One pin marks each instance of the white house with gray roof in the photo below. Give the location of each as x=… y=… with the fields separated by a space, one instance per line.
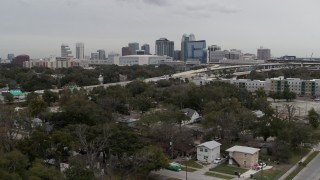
x=192 y=114
x=208 y=151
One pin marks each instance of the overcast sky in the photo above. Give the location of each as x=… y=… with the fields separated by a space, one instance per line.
x=38 y=27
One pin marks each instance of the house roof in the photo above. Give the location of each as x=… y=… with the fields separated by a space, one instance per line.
x=243 y=149
x=189 y=112
x=258 y=113
x=210 y=144
x=36 y=120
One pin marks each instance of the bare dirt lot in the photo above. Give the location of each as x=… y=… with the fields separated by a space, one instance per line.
x=302 y=106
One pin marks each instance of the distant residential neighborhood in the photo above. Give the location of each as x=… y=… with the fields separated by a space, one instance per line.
x=156 y=126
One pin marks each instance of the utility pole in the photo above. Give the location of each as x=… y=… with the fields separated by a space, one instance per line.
x=171 y=146
x=187 y=167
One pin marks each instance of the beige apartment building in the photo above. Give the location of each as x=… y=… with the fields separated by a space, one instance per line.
x=243 y=156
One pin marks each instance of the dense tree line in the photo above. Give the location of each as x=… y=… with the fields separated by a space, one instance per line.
x=40 y=78
x=302 y=73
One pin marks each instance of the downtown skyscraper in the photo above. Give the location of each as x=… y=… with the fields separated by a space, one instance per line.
x=184 y=45
x=65 y=51
x=134 y=47
x=164 y=47
x=193 y=50
x=146 y=48
x=80 y=51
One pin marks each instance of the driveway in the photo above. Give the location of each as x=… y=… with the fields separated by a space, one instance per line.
x=251 y=171
x=196 y=175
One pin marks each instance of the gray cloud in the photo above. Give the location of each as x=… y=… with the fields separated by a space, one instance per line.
x=157 y=2
x=22 y=2
x=72 y=3
x=201 y=6
x=210 y=7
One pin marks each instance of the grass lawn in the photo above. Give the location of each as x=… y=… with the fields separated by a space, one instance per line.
x=191 y=163
x=268 y=174
x=226 y=169
x=189 y=169
x=298 y=155
x=218 y=175
x=300 y=167
x=173 y=179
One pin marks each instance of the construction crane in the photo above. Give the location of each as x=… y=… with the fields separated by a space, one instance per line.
x=311 y=56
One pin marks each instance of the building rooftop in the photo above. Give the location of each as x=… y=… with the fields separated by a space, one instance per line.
x=210 y=144
x=189 y=112
x=243 y=149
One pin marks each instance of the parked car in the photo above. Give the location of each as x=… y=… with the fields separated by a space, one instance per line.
x=262 y=165
x=217 y=161
x=174 y=166
x=259 y=166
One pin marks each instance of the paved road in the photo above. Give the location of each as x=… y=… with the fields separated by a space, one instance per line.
x=182 y=175
x=164 y=174
x=311 y=171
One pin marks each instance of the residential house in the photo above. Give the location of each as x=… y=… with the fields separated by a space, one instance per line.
x=192 y=114
x=258 y=113
x=36 y=122
x=208 y=151
x=243 y=156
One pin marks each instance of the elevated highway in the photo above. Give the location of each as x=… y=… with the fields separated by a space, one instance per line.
x=235 y=69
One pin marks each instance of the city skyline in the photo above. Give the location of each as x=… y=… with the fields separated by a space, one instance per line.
x=37 y=29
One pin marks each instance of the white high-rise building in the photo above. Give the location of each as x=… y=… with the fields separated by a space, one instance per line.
x=65 y=51
x=80 y=51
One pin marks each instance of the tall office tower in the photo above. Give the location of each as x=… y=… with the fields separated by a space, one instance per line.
x=65 y=50
x=164 y=47
x=177 y=55
x=134 y=47
x=125 y=51
x=215 y=54
x=79 y=50
x=196 y=50
x=185 y=39
x=94 y=56
x=10 y=57
x=146 y=48
x=102 y=54
x=263 y=54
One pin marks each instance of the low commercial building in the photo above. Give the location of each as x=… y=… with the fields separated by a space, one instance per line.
x=250 y=85
x=52 y=63
x=296 y=85
x=139 y=60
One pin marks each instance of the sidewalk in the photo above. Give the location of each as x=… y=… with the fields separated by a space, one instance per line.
x=295 y=166
x=251 y=171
